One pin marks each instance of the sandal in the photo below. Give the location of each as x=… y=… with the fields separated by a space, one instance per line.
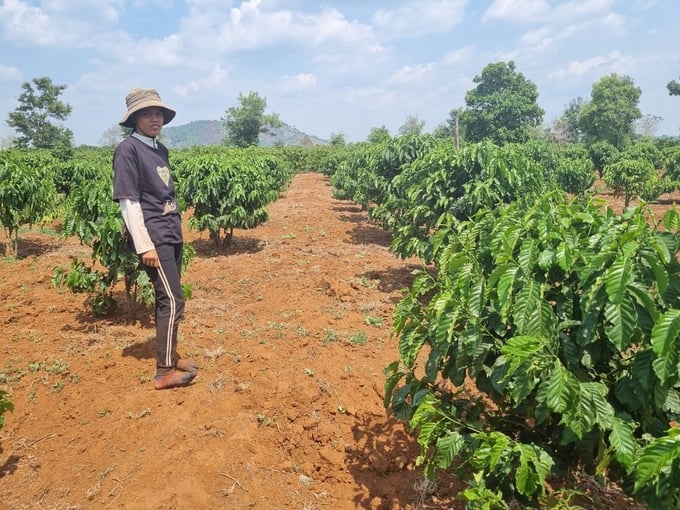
x=173 y=379
x=187 y=365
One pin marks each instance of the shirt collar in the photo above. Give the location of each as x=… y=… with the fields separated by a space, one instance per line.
x=151 y=142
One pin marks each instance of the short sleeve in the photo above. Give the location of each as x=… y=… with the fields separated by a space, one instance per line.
x=126 y=172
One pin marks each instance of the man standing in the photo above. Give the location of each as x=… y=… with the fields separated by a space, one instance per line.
x=145 y=190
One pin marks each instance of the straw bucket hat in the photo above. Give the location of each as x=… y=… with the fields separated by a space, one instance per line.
x=138 y=99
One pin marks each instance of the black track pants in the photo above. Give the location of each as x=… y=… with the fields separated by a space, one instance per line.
x=169 y=302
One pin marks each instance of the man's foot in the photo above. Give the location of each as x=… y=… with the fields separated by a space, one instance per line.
x=187 y=365
x=173 y=379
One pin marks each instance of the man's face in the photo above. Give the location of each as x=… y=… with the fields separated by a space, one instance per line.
x=149 y=121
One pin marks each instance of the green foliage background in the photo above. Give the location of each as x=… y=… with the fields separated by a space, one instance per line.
x=541 y=334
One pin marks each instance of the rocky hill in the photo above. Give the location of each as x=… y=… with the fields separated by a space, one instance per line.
x=211 y=132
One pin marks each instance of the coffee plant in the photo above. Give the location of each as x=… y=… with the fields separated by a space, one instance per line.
x=95 y=219
x=366 y=175
x=459 y=182
x=575 y=176
x=27 y=192
x=545 y=339
x=601 y=154
x=227 y=189
x=628 y=178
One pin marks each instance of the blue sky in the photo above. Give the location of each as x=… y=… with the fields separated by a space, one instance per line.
x=335 y=66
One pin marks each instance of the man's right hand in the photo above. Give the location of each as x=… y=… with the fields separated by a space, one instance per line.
x=150 y=258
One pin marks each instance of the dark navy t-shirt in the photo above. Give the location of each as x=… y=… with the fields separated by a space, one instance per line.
x=142 y=173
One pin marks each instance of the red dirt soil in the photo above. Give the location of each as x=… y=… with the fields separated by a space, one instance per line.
x=291 y=325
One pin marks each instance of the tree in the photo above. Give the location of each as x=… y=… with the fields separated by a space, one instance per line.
x=502 y=107
x=442 y=132
x=566 y=128
x=111 y=137
x=647 y=125
x=673 y=87
x=244 y=124
x=337 y=140
x=7 y=141
x=453 y=123
x=557 y=132
x=33 y=118
x=412 y=126
x=612 y=111
x=378 y=134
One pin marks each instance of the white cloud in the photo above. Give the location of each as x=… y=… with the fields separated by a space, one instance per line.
x=251 y=26
x=298 y=82
x=358 y=63
x=615 y=62
x=503 y=55
x=644 y=4
x=412 y=74
x=10 y=73
x=577 y=36
x=162 y=52
x=622 y=64
x=580 y=9
x=164 y=4
x=578 y=68
x=539 y=39
x=215 y=79
x=418 y=18
x=374 y=98
x=66 y=23
x=606 y=27
x=523 y=11
x=108 y=10
x=22 y=22
x=517 y=10
x=462 y=55
x=614 y=23
x=332 y=27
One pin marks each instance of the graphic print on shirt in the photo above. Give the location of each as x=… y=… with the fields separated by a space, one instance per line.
x=170 y=206
x=164 y=173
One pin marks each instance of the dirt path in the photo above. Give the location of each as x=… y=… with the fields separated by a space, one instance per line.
x=291 y=326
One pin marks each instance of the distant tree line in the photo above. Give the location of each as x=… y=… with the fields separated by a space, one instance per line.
x=502 y=108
